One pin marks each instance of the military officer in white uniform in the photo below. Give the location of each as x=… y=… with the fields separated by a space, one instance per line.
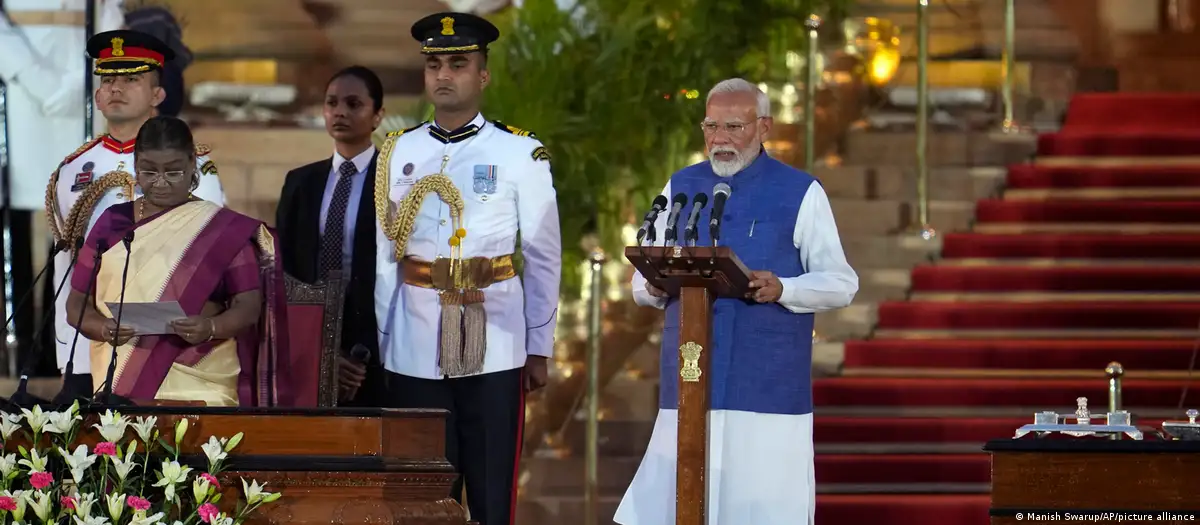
x=99 y=174
x=458 y=329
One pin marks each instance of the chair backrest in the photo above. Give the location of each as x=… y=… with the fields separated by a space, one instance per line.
x=314 y=338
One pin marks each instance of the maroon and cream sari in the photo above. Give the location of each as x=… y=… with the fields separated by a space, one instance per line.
x=194 y=253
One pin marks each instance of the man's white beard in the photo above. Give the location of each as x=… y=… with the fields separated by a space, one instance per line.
x=729 y=168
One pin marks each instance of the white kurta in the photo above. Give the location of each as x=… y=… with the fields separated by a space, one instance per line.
x=104 y=155
x=760 y=466
x=507 y=191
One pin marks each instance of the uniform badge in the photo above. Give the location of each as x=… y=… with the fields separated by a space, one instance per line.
x=485 y=179
x=408 y=168
x=83 y=178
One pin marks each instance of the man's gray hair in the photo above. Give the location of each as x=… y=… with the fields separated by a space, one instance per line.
x=738 y=85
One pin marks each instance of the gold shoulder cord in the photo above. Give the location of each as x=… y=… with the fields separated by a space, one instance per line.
x=74 y=227
x=463 y=320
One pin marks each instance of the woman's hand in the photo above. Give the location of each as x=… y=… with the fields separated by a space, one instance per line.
x=195 y=330
x=114 y=334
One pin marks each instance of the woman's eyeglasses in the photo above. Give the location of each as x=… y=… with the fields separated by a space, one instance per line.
x=171 y=176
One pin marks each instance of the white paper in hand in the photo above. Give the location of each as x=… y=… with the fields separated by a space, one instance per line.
x=148 y=318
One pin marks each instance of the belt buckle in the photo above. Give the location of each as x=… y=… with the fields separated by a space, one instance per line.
x=482 y=272
x=439 y=274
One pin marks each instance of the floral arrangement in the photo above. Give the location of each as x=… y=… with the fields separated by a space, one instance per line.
x=135 y=481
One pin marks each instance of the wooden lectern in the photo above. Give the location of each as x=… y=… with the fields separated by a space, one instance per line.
x=697 y=276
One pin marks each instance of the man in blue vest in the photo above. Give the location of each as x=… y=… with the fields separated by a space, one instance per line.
x=779 y=222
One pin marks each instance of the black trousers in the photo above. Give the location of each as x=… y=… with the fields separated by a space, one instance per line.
x=483 y=434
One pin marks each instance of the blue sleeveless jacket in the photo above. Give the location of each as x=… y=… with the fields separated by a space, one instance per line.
x=761 y=354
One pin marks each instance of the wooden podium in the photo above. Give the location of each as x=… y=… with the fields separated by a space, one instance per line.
x=1055 y=480
x=697 y=276
x=333 y=465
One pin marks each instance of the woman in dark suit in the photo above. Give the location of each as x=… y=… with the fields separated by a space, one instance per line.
x=326 y=223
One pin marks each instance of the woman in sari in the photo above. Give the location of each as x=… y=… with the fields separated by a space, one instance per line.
x=220 y=267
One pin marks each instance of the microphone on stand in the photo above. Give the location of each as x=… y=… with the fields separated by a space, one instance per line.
x=64 y=396
x=677 y=205
x=647 y=229
x=689 y=231
x=22 y=397
x=58 y=247
x=720 y=195
x=107 y=396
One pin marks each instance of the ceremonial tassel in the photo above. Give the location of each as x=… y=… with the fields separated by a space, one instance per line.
x=474 y=332
x=451 y=336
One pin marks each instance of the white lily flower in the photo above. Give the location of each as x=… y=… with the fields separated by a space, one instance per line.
x=112 y=426
x=116 y=506
x=40 y=503
x=9 y=424
x=221 y=519
x=254 y=492
x=36 y=418
x=83 y=505
x=35 y=463
x=126 y=465
x=61 y=422
x=200 y=489
x=171 y=475
x=98 y=520
x=145 y=428
x=8 y=466
x=78 y=461
x=140 y=518
x=19 y=497
x=214 y=450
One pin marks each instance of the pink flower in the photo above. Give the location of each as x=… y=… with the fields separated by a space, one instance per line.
x=41 y=480
x=106 y=448
x=207 y=512
x=68 y=502
x=212 y=480
x=8 y=504
x=137 y=503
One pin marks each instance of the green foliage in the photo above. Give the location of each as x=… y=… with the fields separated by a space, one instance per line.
x=615 y=89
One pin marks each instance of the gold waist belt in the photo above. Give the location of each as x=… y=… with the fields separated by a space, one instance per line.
x=462 y=341
x=475 y=273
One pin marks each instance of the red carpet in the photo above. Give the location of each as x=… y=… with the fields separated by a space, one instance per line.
x=1012 y=354
x=1045 y=393
x=1173 y=211
x=1071 y=246
x=903 y=468
x=829 y=429
x=864 y=418
x=936 y=278
x=1029 y=176
x=938 y=315
x=902 y=509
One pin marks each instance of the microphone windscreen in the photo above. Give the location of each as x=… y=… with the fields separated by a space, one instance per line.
x=680 y=199
x=701 y=199
x=660 y=202
x=721 y=188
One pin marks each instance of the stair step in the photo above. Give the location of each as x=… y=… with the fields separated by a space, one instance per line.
x=900 y=182
x=946 y=149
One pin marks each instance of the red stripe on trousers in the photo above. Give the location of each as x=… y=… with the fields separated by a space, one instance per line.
x=512 y=510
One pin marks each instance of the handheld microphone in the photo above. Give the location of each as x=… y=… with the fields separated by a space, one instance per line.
x=112 y=362
x=362 y=354
x=64 y=396
x=21 y=397
x=677 y=205
x=660 y=204
x=689 y=232
x=720 y=195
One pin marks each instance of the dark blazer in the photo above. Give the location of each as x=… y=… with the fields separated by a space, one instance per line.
x=296 y=221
